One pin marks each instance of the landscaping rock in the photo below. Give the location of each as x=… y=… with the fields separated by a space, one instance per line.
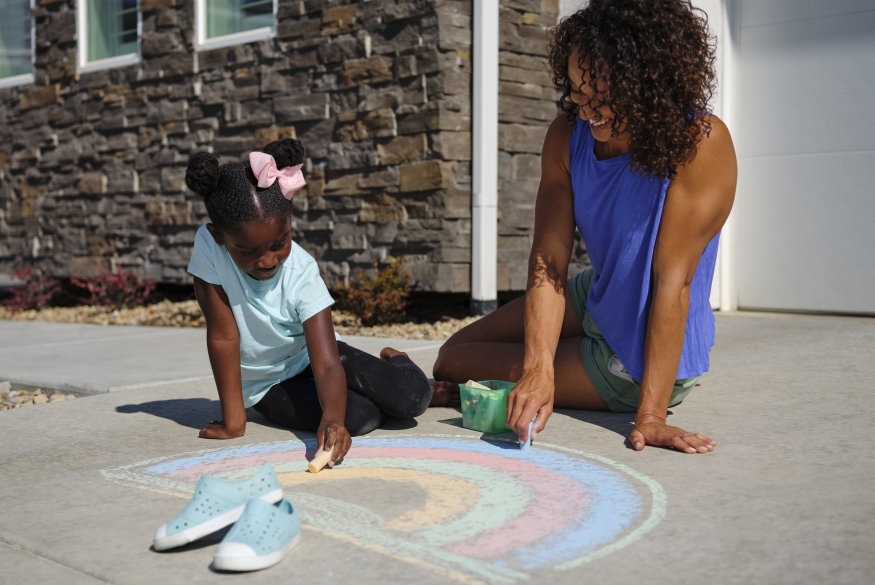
x=11 y=399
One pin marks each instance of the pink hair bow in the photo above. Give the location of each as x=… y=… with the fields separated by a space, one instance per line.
x=264 y=168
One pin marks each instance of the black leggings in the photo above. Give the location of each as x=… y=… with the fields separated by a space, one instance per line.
x=378 y=390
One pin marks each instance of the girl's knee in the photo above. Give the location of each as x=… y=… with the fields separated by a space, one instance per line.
x=362 y=417
x=362 y=425
x=413 y=400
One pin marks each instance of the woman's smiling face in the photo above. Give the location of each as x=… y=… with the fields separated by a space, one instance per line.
x=259 y=247
x=600 y=118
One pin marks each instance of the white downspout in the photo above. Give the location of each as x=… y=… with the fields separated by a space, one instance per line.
x=729 y=238
x=484 y=190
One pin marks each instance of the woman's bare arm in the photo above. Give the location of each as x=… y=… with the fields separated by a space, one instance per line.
x=697 y=204
x=547 y=283
x=223 y=347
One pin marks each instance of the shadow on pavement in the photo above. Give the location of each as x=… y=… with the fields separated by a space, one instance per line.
x=621 y=423
x=195 y=413
x=188 y=412
x=208 y=540
x=399 y=424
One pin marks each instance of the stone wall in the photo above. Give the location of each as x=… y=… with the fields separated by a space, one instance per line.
x=379 y=92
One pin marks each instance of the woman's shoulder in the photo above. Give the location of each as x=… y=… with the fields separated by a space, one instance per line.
x=560 y=131
x=559 y=140
x=715 y=152
x=706 y=183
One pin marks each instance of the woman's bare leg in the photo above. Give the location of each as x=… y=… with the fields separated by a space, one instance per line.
x=493 y=349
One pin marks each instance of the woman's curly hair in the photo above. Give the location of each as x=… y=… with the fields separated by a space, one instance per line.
x=656 y=60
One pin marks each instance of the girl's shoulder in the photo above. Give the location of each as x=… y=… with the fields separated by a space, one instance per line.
x=299 y=258
x=299 y=269
x=206 y=257
x=204 y=239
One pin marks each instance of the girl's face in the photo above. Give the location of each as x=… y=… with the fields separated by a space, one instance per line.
x=599 y=118
x=259 y=247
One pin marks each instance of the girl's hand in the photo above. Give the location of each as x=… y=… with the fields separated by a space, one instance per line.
x=333 y=435
x=218 y=430
x=533 y=394
x=660 y=434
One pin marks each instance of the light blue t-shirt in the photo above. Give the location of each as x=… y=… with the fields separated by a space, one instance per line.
x=270 y=314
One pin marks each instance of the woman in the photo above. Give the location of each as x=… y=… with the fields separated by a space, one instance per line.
x=648 y=176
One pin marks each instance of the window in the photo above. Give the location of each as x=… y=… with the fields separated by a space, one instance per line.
x=222 y=23
x=16 y=43
x=108 y=33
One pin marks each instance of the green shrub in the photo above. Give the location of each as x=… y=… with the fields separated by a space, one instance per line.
x=378 y=300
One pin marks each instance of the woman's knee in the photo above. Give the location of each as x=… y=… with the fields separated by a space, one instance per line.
x=441 y=369
x=446 y=367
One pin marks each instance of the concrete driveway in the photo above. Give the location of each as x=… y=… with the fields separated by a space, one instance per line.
x=786 y=497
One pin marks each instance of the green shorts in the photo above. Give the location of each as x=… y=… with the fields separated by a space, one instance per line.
x=607 y=372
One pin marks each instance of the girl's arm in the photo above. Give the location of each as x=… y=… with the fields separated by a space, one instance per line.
x=330 y=384
x=547 y=284
x=696 y=207
x=223 y=346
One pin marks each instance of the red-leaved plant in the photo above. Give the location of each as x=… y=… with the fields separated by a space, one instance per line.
x=378 y=300
x=37 y=291
x=120 y=289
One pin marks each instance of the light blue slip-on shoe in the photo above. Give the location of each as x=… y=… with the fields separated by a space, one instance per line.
x=262 y=537
x=217 y=503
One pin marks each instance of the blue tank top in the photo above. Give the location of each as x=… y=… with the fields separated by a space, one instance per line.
x=617 y=212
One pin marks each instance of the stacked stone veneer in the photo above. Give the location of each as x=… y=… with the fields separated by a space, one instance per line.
x=92 y=164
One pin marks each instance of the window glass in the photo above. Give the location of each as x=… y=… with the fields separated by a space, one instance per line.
x=226 y=17
x=15 y=43
x=112 y=28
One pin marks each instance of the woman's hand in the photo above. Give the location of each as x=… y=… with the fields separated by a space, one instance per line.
x=532 y=395
x=218 y=430
x=333 y=435
x=659 y=434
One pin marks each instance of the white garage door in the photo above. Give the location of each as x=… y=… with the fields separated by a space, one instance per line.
x=805 y=135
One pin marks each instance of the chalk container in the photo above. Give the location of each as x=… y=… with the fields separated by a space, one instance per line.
x=485 y=410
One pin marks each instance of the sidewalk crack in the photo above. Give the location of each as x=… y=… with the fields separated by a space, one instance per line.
x=15 y=546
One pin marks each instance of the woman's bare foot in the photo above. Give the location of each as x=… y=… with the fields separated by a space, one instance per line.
x=387 y=353
x=444 y=394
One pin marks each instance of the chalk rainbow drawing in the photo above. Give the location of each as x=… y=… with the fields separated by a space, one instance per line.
x=490 y=513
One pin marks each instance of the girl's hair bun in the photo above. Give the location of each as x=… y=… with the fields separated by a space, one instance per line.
x=287 y=153
x=202 y=173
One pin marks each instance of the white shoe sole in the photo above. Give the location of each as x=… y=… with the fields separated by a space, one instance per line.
x=196 y=532
x=254 y=563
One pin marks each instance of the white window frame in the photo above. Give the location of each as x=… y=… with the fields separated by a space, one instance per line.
x=24 y=78
x=201 y=43
x=86 y=66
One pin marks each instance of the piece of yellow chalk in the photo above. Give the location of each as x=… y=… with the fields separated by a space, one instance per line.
x=473 y=384
x=319 y=461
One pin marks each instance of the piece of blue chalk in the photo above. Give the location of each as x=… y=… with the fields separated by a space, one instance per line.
x=525 y=444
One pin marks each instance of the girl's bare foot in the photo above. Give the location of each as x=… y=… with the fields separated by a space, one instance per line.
x=444 y=394
x=387 y=353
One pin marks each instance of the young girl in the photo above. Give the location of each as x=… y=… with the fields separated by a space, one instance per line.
x=270 y=337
